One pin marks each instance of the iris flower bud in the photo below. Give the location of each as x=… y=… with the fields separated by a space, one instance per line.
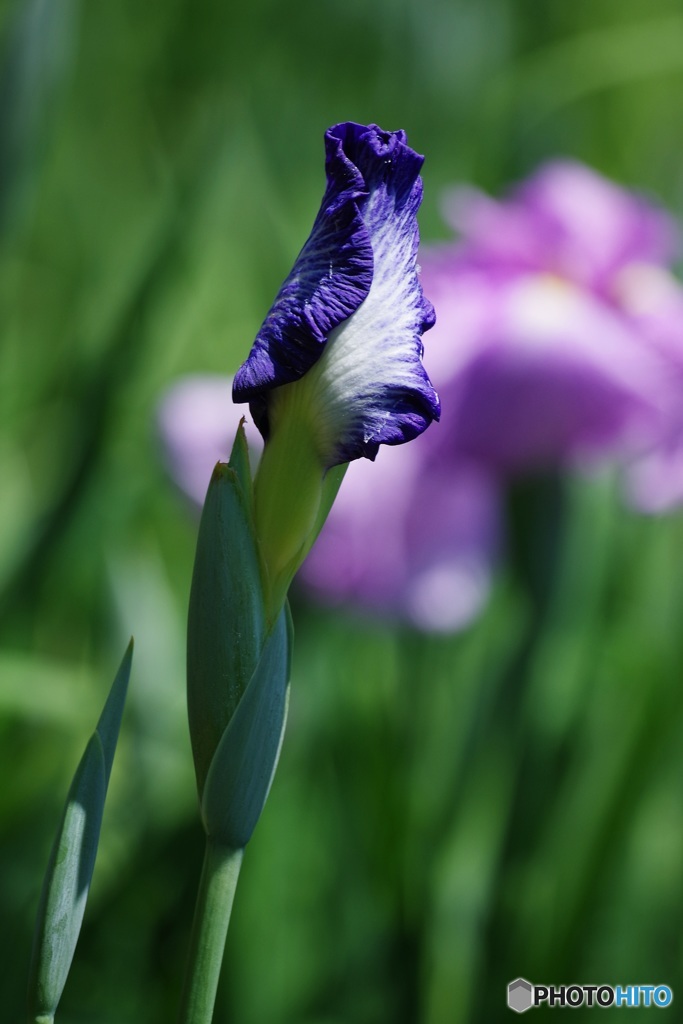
x=336 y=368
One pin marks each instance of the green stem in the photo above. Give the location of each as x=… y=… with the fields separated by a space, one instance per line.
x=209 y=930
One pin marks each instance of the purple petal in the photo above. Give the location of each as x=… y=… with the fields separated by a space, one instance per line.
x=595 y=225
x=538 y=371
x=329 y=280
x=566 y=219
x=410 y=539
x=353 y=297
x=654 y=482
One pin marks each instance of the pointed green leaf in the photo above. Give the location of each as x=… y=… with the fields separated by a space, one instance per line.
x=331 y=484
x=227 y=617
x=110 y=720
x=239 y=461
x=72 y=859
x=243 y=766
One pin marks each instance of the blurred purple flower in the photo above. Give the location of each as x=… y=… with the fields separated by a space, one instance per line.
x=415 y=539
x=197 y=423
x=561 y=308
x=559 y=340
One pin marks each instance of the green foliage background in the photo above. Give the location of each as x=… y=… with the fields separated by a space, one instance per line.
x=449 y=813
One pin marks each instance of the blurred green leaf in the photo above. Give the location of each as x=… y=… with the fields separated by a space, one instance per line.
x=33 y=64
x=599 y=59
x=42 y=689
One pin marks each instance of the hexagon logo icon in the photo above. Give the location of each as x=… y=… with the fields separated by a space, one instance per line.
x=520 y=995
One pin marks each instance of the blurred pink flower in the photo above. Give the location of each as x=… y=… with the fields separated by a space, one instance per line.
x=414 y=539
x=566 y=321
x=558 y=341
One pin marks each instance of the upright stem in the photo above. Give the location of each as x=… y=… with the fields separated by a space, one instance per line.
x=209 y=930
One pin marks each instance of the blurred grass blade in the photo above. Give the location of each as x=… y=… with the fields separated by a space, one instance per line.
x=589 y=62
x=72 y=860
x=35 y=58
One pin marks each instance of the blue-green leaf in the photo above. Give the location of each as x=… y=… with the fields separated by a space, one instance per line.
x=239 y=461
x=109 y=723
x=72 y=860
x=227 y=617
x=244 y=763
